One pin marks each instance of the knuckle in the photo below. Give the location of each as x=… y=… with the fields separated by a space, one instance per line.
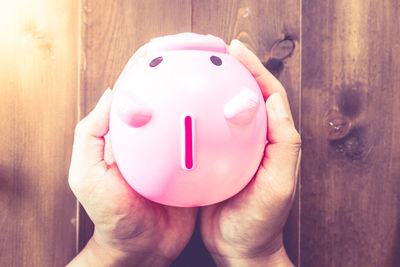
x=74 y=180
x=283 y=92
x=284 y=193
x=80 y=127
x=76 y=186
x=283 y=189
x=294 y=138
x=277 y=189
x=72 y=184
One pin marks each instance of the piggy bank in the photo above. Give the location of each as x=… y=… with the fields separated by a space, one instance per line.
x=187 y=122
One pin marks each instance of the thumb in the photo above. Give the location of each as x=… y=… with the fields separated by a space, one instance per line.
x=88 y=148
x=89 y=133
x=279 y=166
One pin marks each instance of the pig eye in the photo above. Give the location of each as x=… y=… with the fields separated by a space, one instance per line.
x=216 y=60
x=155 y=62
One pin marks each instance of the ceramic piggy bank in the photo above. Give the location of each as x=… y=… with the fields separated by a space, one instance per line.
x=187 y=122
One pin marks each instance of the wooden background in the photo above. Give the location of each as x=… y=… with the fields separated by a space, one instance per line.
x=338 y=60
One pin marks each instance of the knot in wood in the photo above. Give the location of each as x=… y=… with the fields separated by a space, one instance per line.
x=336 y=125
x=282 y=49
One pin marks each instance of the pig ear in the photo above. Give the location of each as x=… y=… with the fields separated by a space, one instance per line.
x=242 y=108
x=133 y=112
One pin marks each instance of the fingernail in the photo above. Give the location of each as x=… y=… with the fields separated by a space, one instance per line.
x=236 y=42
x=277 y=106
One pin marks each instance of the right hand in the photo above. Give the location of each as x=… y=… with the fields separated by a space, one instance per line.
x=129 y=229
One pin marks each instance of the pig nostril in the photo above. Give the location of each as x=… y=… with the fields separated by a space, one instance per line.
x=155 y=62
x=216 y=60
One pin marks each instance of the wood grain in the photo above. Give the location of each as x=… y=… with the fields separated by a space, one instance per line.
x=111 y=32
x=338 y=60
x=38 y=78
x=350 y=185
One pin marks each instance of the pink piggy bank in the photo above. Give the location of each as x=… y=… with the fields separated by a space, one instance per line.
x=188 y=122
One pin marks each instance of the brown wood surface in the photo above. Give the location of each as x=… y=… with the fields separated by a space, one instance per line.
x=38 y=79
x=339 y=61
x=350 y=202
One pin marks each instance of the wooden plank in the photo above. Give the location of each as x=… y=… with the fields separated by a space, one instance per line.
x=111 y=32
x=272 y=30
x=38 y=78
x=351 y=133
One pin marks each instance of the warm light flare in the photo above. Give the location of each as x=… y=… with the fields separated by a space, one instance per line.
x=9 y=21
x=26 y=24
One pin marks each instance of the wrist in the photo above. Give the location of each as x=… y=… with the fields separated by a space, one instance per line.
x=278 y=259
x=97 y=254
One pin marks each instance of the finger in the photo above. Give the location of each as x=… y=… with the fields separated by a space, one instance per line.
x=108 y=153
x=269 y=83
x=278 y=170
x=88 y=141
x=266 y=81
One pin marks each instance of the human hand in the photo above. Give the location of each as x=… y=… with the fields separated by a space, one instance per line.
x=129 y=229
x=246 y=230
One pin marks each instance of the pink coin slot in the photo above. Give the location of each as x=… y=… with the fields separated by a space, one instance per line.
x=188 y=143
